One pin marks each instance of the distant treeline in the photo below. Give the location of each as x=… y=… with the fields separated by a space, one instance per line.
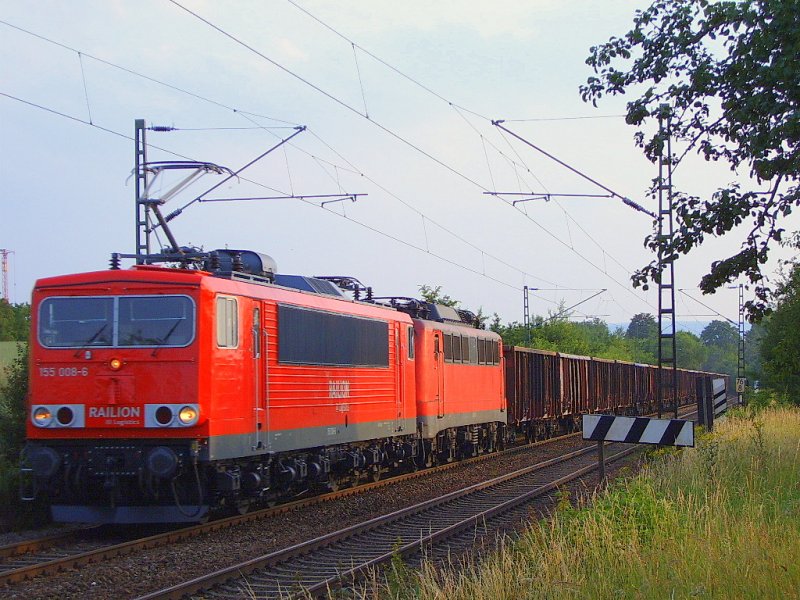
x=15 y=321
x=715 y=349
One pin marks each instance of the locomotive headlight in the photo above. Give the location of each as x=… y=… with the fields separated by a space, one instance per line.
x=65 y=416
x=42 y=417
x=115 y=364
x=164 y=415
x=187 y=415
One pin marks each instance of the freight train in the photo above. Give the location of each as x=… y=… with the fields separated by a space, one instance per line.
x=170 y=393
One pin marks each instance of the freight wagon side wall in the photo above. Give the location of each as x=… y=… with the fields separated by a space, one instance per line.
x=533 y=384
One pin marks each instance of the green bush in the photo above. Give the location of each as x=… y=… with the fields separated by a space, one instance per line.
x=13 y=408
x=14 y=513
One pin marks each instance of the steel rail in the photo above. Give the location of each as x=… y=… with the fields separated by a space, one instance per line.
x=427 y=541
x=54 y=565
x=280 y=558
x=35 y=544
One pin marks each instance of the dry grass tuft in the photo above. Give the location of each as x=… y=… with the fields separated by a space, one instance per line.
x=718 y=521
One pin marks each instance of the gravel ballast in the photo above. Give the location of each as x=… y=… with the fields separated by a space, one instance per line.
x=149 y=570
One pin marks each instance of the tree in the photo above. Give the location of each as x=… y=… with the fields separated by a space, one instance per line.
x=14 y=321
x=728 y=72
x=780 y=344
x=434 y=296
x=721 y=334
x=643 y=326
x=597 y=335
x=13 y=410
x=690 y=350
x=753 y=340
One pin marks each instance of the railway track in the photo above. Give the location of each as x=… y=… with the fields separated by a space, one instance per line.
x=315 y=566
x=61 y=553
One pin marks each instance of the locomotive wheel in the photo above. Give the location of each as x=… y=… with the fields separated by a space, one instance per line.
x=530 y=435
x=242 y=507
x=375 y=474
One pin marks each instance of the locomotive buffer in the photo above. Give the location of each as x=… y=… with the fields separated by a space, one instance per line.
x=635 y=430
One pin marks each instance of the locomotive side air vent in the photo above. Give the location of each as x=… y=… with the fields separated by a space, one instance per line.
x=226 y=261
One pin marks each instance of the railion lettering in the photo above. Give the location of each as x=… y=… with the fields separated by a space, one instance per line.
x=115 y=412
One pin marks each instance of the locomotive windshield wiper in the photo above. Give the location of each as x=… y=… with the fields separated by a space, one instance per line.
x=89 y=342
x=163 y=340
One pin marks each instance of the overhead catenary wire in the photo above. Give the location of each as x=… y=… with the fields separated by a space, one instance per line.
x=85 y=88
x=390 y=132
x=142 y=75
x=575 y=118
x=355 y=170
x=458 y=110
x=703 y=304
x=627 y=201
x=306 y=201
x=248 y=114
x=383 y=62
x=239 y=111
x=242 y=113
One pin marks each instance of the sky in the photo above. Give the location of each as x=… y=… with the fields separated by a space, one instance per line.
x=397 y=100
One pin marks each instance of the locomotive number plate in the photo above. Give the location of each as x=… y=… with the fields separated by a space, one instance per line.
x=63 y=371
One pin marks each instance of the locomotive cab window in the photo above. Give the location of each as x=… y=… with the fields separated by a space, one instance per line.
x=411 y=343
x=116 y=321
x=227 y=322
x=155 y=321
x=76 y=322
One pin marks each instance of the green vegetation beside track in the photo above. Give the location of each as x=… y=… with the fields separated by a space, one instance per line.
x=8 y=352
x=721 y=520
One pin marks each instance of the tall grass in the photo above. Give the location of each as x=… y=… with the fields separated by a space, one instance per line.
x=719 y=521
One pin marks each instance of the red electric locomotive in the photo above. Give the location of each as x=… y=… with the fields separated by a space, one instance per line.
x=163 y=394
x=461 y=402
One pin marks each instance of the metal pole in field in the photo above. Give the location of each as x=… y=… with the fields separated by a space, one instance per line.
x=740 y=374
x=601 y=462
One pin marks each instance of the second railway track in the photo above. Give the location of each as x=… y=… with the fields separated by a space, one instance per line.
x=318 y=565
x=55 y=564
x=63 y=551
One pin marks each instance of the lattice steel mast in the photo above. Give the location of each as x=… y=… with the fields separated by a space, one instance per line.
x=143 y=224
x=667 y=347
x=740 y=367
x=4 y=254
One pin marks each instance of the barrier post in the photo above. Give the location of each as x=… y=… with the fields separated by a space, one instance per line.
x=601 y=462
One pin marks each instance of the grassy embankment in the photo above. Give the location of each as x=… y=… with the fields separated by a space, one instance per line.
x=719 y=521
x=8 y=352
